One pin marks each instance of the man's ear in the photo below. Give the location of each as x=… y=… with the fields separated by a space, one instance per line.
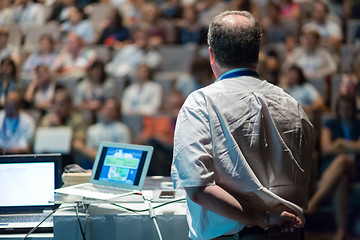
x=212 y=57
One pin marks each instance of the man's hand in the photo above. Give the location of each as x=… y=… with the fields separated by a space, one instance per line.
x=284 y=218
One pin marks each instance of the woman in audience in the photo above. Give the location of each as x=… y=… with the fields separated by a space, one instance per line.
x=78 y=24
x=144 y=96
x=150 y=20
x=45 y=55
x=41 y=90
x=294 y=82
x=112 y=31
x=8 y=78
x=340 y=145
x=92 y=91
x=188 y=28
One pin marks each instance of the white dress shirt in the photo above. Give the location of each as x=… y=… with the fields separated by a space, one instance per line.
x=248 y=137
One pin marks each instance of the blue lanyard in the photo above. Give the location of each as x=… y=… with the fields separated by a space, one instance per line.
x=346 y=131
x=239 y=72
x=13 y=130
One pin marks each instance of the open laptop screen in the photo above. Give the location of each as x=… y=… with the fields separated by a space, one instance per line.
x=27 y=182
x=121 y=165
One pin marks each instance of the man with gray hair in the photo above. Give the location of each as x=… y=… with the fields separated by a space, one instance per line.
x=242 y=146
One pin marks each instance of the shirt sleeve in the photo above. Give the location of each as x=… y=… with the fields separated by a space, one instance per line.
x=193 y=158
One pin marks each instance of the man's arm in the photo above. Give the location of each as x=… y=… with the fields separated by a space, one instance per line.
x=218 y=200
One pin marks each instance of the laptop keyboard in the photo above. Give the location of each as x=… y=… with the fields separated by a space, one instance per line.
x=103 y=189
x=24 y=218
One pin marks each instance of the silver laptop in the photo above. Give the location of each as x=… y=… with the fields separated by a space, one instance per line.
x=119 y=170
x=53 y=140
x=27 y=183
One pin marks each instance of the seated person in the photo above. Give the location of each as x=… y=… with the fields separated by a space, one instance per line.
x=92 y=91
x=108 y=128
x=294 y=82
x=78 y=24
x=7 y=49
x=8 y=79
x=45 y=55
x=41 y=90
x=316 y=62
x=188 y=28
x=340 y=145
x=127 y=59
x=112 y=31
x=200 y=76
x=16 y=127
x=63 y=114
x=158 y=131
x=143 y=96
x=74 y=59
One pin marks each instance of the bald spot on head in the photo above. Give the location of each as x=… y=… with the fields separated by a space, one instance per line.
x=235 y=20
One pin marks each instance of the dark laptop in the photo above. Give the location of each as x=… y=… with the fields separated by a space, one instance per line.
x=27 y=183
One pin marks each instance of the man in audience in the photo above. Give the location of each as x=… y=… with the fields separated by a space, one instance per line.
x=74 y=59
x=329 y=30
x=7 y=49
x=62 y=114
x=16 y=128
x=316 y=62
x=108 y=128
x=127 y=59
x=28 y=14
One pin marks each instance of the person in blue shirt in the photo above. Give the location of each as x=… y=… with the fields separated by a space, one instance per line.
x=340 y=145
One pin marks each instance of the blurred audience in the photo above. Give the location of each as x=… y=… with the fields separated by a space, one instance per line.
x=151 y=22
x=74 y=59
x=8 y=79
x=7 y=49
x=40 y=92
x=112 y=31
x=28 y=14
x=143 y=96
x=128 y=58
x=200 y=75
x=340 y=145
x=59 y=12
x=294 y=82
x=329 y=30
x=108 y=128
x=316 y=62
x=274 y=29
x=245 y=5
x=6 y=13
x=93 y=90
x=189 y=29
x=158 y=131
x=46 y=54
x=171 y=9
x=16 y=127
x=78 y=24
x=269 y=66
x=63 y=114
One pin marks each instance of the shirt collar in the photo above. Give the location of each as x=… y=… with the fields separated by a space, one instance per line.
x=238 y=72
